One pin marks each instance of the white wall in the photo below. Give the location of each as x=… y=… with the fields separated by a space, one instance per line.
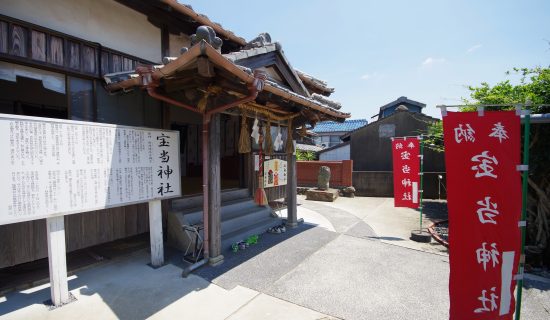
x=342 y=153
x=177 y=42
x=105 y=21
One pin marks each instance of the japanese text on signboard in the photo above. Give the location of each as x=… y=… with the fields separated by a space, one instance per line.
x=406 y=167
x=55 y=167
x=484 y=203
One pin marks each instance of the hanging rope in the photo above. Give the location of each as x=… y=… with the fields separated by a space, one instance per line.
x=268 y=140
x=289 y=142
x=244 y=138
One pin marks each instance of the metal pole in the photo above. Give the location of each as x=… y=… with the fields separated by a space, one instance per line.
x=421 y=179
x=524 y=191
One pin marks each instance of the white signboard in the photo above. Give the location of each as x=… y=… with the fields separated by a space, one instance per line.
x=55 y=167
x=275 y=173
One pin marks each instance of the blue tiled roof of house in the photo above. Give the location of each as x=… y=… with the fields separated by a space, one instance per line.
x=332 y=126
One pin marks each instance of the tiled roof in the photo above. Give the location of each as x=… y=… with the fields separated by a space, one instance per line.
x=332 y=126
x=401 y=100
x=243 y=54
x=314 y=82
x=332 y=103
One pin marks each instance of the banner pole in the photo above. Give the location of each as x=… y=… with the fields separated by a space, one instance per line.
x=525 y=177
x=421 y=180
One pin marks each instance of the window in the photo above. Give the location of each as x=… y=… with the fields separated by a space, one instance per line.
x=81 y=99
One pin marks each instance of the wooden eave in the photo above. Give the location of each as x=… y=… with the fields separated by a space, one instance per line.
x=287 y=100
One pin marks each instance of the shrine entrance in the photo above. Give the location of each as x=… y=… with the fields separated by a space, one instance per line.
x=231 y=162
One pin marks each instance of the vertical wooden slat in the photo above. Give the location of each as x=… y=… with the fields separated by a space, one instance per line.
x=18 y=41
x=55 y=51
x=3 y=37
x=130 y=219
x=116 y=63
x=74 y=55
x=38 y=45
x=144 y=220
x=88 y=59
x=104 y=63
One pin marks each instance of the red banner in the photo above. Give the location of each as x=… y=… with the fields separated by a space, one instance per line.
x=406 y=166
x=484 y=202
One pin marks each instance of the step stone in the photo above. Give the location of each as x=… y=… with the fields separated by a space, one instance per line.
x=259 y=227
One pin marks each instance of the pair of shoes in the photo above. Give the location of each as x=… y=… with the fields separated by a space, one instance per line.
x=277 y=229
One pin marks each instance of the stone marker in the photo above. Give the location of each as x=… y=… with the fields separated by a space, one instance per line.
x=322 y=192
x=323 y=178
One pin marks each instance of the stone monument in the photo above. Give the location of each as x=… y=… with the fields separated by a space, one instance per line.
x=323 y=192
x=323 y=179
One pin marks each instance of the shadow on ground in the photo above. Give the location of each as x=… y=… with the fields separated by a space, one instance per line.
x=258 y=266
x=435 y=210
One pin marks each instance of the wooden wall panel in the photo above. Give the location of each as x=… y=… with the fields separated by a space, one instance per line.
x=41 y=46
x=26 y=241
x=143 y=218
x=130 y=219
x=55 y=51
x=88 y=59
x=18 y=41
x=73 y=231
x=74 y=55
x=3 y=37
x=38 y=45
x=116 y=63
x=105 y=63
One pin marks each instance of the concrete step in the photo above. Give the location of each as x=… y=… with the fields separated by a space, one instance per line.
x=229 y=210
x=259 y=227
x=244 y=220
x=188 y=203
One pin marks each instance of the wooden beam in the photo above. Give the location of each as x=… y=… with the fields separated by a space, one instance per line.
x=205 y=67
x=291 y=202
x=214 y=191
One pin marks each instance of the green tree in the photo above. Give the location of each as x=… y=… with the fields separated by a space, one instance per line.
x=305 y=155
x=534 y=89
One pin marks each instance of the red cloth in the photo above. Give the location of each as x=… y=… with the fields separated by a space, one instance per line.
x=406 y=166
x=484 y=204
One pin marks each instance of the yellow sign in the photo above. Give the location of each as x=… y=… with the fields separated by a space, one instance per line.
x=275 y=173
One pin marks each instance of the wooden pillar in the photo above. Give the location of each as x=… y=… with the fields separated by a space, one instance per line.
x=292 y=207
x=57 y=260
x=214 y=191
x=155 y=233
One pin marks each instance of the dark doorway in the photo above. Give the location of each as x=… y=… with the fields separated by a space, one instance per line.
x=231 y=174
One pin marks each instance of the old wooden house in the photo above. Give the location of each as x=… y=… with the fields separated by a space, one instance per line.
x=159 y=64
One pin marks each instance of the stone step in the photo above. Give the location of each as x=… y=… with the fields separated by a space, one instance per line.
x=229 y=210
x=190 y=202
x=244 y=220
x=259 y=227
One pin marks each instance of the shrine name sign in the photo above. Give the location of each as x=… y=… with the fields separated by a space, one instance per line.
x=56 y=167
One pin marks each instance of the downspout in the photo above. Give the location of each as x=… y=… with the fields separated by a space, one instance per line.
x=253 y=89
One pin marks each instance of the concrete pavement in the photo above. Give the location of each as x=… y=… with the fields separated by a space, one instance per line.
x=352 y=259
x=129 y=289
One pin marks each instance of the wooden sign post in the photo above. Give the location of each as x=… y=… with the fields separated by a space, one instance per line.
x=57 y=260
x=155 y=233
x=57 y=167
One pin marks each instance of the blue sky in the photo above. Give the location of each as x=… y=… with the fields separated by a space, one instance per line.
x=373 y=52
